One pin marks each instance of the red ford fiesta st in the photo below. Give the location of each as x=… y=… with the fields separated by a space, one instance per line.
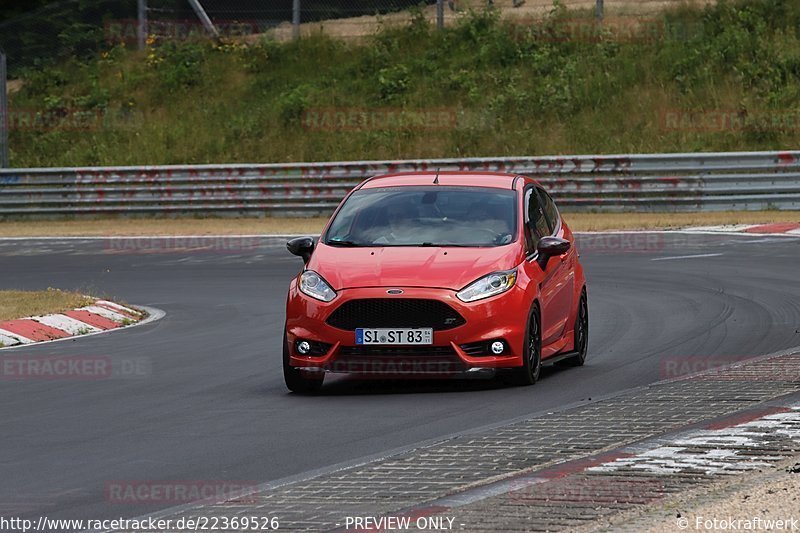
x=451 y=273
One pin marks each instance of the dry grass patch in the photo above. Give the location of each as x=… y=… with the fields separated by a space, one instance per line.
x=182 y=226
x=366 y=25
x=19 y=304
x=313 y=226
x=634 y=221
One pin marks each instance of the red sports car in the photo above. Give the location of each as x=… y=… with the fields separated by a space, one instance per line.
x=426 y=273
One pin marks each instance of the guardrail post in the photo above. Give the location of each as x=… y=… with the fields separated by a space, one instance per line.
x=598 y=12
x=3 y=112
x=440 y=14
x=295 y=19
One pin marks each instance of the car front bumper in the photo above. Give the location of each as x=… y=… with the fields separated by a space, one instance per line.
x=502 y=317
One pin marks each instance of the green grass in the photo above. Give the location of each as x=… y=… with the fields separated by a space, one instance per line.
x=509 y=90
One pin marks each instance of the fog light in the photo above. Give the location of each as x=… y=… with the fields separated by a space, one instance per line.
x=303 y=347
x=498 y=347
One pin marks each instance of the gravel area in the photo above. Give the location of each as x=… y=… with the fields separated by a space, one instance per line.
x=749 y=502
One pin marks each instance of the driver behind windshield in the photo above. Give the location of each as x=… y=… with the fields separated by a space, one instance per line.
x=402 y=221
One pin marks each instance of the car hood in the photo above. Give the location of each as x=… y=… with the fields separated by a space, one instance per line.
x=403 y=266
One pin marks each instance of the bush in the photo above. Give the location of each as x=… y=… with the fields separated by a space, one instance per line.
x=510 y=90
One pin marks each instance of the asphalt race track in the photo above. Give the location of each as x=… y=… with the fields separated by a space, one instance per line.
x=212 y=404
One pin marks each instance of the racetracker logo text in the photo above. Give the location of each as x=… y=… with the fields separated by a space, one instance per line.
x=379 y=119
x=164 y=245
x=78 y=368
x=620 y=242
x=138 y=492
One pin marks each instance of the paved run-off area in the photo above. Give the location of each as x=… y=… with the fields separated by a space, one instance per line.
x=558 y=471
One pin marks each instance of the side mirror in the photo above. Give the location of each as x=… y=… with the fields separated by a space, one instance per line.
x=301 y=246
x=550 y=246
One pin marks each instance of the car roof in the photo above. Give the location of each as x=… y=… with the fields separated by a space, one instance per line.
x=451 y=178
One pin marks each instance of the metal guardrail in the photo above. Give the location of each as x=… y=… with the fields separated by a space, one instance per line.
x=654 y=182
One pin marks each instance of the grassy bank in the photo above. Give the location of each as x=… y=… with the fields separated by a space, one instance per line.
x=723 y=78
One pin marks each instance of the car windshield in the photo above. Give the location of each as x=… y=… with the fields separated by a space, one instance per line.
x=425 y=216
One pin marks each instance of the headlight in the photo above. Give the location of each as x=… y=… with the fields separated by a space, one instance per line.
x=313 y=285
x=490 y=285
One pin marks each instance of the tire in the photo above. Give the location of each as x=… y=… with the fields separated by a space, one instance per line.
x=529 y=372
x=295 y=379
x=581 y=332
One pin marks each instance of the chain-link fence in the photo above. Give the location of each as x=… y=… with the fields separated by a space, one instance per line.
x=75 y=28
x=62 y=29
x=70 y=28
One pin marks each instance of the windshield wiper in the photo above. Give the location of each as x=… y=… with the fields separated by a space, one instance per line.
x=428 y=244
x=342 y=243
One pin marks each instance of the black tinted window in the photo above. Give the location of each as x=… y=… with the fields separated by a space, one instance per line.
x=431 y=216
x=550 y=211
x=536 y=222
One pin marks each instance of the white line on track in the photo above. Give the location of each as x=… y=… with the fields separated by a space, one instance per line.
x=684 y=257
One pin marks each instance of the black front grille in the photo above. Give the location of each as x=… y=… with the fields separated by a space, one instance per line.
x=401 y=360
x=369 y=351
x=476 y=348
x=395 y=313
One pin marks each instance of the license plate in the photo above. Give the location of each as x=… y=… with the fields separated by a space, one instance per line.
x=394 y=336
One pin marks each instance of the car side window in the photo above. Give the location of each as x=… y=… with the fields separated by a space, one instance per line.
x=550 y=210
x=536 y=225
